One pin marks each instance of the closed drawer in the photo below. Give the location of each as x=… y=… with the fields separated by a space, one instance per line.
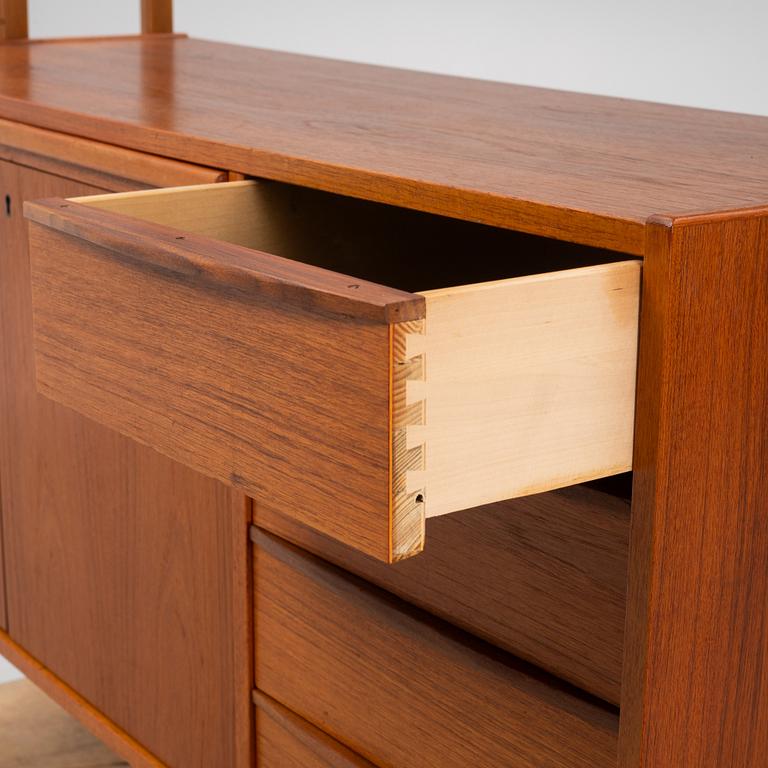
x=104 y=166
x=285 y=740
x=359 y=407
x=543 y=577
x=401 y=690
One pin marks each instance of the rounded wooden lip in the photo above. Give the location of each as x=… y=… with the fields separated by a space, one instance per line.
x=225 y=266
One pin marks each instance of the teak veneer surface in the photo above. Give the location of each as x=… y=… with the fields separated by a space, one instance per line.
x=403 y=690
x=274 y=374
x=530 y=380
x=92 y=162
x=543 y=577
x=696 y=661
x=584 y=168
x=3 y=615
x=111 y=549
x=285 y=740
x=156 y=16
x=13 y=19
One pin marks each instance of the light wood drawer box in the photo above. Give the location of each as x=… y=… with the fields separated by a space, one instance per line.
x=361 y=408
x=399 y=688
x=543 y=577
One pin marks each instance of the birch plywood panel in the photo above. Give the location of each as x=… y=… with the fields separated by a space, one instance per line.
x=530 y=384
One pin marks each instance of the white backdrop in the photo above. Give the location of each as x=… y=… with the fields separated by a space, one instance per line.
x=702 y=53
x=7 y=672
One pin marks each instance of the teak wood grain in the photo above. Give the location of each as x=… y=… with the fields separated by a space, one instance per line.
x=224 y=267
x=285 y=740
x=3 y=614
x=543 y=577
x=13 y=19
x=36 y=732
x=156 y=16
x=583 y=168
x=399 y=690
x=110 y=734
x=263 y=372
x=277 y=375
x=575 y=167
x=94 y=163
x=529 y=384
x=241 y=632
x=112 y=549
x=696 y=662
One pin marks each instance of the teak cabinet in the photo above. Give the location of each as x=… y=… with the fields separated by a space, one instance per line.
x=356 y=417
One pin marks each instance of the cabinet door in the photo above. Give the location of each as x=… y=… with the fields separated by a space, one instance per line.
x=119 y=562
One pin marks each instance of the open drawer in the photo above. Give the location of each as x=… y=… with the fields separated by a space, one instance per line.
x=353 y=407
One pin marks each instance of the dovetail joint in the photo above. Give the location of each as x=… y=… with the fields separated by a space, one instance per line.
x=408 y=446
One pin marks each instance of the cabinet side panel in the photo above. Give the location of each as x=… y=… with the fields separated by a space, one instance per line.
x=695 y=689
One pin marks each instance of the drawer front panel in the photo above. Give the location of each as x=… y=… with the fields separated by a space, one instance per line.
x=542 y=576
x=285 y=740
x=289 y=403
x=400 y=690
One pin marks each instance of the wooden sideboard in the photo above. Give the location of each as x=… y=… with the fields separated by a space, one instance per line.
x=327 y=439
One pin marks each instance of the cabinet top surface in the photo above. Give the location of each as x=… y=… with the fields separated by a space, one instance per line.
x=584 y=168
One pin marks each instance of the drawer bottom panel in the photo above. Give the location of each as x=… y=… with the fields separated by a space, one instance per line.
x=402 y=689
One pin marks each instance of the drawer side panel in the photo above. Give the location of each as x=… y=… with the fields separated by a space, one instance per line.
x=530 y=384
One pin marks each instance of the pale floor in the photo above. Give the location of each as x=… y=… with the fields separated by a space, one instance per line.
x=37 y=733
x=7 y=672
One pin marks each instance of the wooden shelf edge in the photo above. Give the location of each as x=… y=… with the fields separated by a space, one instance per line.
x=100 y=726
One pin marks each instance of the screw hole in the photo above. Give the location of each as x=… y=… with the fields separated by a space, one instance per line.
x=180 y=237
x=419 y=498
x=7 y=205
x=354 y=285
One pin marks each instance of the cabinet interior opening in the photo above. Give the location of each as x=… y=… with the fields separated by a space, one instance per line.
x=397 y=247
